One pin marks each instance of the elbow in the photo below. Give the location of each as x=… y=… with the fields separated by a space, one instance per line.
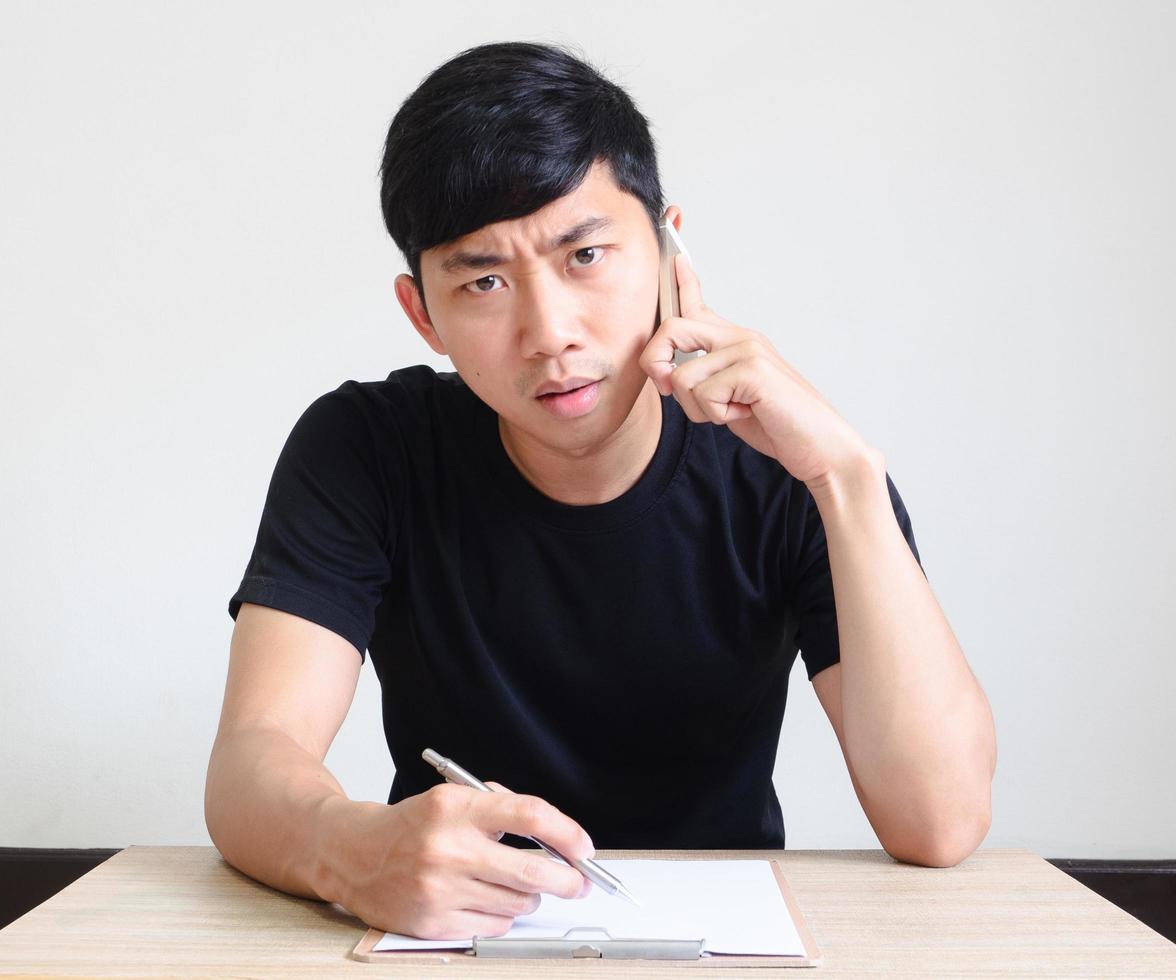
x=941 y=826
x=212 y=823
x=215 y=809
x=940 y=847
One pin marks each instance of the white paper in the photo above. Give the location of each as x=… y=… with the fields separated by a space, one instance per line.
x=733 y=906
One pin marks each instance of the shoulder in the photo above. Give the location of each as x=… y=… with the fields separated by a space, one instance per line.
x=405 y=399
x=402 y=388
x=373 y=429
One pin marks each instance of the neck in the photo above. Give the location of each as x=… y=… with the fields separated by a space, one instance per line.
x=601 y=473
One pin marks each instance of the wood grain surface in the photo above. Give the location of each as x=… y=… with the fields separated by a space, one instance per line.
x=184 y=912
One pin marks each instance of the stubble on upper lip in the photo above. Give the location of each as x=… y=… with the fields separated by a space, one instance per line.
x=528 y=385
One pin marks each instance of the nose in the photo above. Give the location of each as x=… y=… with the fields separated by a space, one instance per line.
x=548 y=323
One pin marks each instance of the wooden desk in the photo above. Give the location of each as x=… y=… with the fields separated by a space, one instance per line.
x=182 y=911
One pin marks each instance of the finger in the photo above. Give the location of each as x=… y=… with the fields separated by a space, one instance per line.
x=689 y=288
x=685 y=398
x=531 y=871
x=498 y=788
x=530 y=816
x=462 y=924
x=690 y=375
x=494 y=899
x=679 y=334
x=727 y=395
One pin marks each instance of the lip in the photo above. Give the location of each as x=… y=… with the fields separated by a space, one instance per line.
x=567 y=384
x=572 y=404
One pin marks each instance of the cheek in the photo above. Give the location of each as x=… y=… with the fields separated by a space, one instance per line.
x=629 y=300
x=639 y=279
x=475 y=359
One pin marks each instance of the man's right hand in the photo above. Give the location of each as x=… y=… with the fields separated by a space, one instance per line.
x=432 y=865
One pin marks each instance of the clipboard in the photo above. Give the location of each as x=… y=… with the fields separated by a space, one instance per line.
x=587 y=942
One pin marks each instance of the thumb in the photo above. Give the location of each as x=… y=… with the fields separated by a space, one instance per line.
x=677 y=335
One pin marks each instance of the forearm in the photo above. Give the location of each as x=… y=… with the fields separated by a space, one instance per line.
x=268 y=805
x=918 y=730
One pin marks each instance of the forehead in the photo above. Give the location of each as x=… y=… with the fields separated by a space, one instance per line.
x=597 y=196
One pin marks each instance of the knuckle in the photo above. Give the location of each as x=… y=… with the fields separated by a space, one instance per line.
x=523 y=903
x=439 y=800
x=432 y=852
x=571 y=884
x=435 y=851
x=533 y=873
x=760 y=362
x=532 y=812
x=427 y=890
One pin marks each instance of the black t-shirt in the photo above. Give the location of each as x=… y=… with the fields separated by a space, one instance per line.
x=626 y=661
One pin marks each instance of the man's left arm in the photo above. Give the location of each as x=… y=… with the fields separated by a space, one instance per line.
x=914 y=725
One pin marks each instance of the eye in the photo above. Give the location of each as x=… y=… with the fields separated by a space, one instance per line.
x=486 y=284
x=597 y=256
x=478 y=283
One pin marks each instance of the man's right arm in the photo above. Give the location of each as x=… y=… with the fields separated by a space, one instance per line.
x=290 y=685
x=429 y=866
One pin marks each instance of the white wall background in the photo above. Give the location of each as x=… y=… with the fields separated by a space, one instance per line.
x=957 y=220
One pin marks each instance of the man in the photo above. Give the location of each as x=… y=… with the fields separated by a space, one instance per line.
x=579 y=570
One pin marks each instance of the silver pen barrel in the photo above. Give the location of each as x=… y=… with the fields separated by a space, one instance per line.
x=587 y=867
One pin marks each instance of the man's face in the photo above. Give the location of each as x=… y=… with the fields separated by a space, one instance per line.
x=515 y=308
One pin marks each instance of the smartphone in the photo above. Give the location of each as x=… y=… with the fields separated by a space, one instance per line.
x=667 y=296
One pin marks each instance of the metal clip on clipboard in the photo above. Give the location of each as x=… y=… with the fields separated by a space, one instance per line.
x=591 y=946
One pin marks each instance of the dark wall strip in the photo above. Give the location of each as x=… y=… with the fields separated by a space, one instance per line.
x=1146 y=889
x=32 y=875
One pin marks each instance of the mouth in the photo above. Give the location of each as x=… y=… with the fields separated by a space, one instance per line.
x=570 y=399
x=563 y=387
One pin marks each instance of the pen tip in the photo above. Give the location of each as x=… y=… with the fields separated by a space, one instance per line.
x=625 y=893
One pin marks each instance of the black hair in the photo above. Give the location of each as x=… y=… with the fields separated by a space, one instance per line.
x=499 y=131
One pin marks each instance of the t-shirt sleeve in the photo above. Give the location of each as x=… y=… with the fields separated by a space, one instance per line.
x=327 y=529
x=812 y=584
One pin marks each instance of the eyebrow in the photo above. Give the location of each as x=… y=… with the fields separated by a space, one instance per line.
x=460 y=261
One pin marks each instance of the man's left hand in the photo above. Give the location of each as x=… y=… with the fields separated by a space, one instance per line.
x=742 y=383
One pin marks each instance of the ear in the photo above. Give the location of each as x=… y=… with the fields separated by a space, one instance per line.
x=674 y=216
x=410 y=302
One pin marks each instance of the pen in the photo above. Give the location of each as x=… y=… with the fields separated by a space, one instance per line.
x=589 y=869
